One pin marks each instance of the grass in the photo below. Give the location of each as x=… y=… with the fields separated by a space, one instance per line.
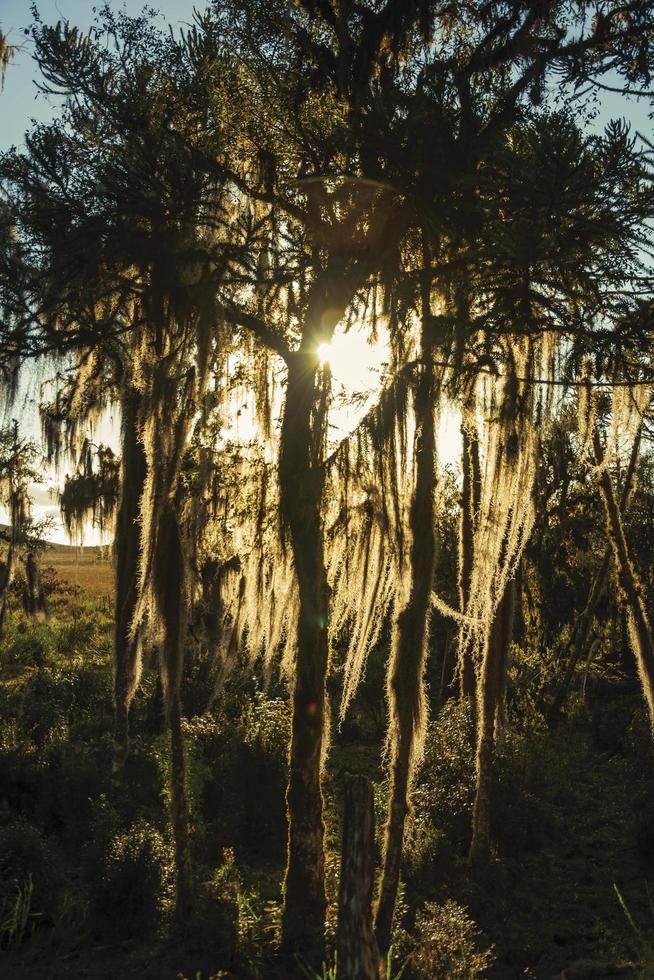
x=574 y=820
x=16 y=914
x=330 y=971
x=86 y=568
x=646 y=947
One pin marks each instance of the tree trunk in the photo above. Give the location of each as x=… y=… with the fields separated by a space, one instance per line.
x=491 y=681
x=502 y=638
x=31 y=585
x=301 y=478
x=8 y=571
x=409 y=642
x=5 y=572
x=357 y=953
x=469 y=503
x=579 y=635
x=301 y=485
x=519 y=613
x=580 y=632
x=640 y=631
x=126 y=549
x=169 y=575
x=589 y=659
x=17 y=510
x=179 y=811
x=35 y=602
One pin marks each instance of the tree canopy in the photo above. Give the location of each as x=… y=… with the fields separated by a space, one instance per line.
x=184 y=241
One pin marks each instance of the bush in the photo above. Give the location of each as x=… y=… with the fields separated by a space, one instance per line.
x=73 y=777
x=31 y=876
x=55 y=699
x=528 y=771
x=237 y=777
x=447 y=944
x=26 y=650
x=45 y=705
x=76 y=636
x=137 y=877
x=20 y=776
x=444 y=787
x=611 y=723
x=248 y=927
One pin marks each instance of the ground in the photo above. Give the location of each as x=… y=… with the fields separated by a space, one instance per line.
x=88 y=567
x=574 y=815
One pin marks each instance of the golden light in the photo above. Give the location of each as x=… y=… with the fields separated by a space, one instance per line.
x=324 y=351
x=358 y=370
x=355 y=362
x=358 y=366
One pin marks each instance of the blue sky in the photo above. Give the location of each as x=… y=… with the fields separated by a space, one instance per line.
x=20 y=100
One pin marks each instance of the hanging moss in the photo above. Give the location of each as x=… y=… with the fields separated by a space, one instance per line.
x=410 y=635
x=91 y=494
x=628 y=404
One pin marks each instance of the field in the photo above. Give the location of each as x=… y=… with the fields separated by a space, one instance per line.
x=89 y=568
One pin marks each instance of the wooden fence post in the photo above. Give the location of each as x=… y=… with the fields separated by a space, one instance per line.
x=357 y=953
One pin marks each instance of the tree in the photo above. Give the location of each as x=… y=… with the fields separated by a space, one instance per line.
x=118 y=179
x=474 y=81
x=7 y=52
x=546 y=278
x=624 y=418
x=240 y=192
x=24 y=536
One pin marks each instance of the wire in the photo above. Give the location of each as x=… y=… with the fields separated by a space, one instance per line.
x=553 y=382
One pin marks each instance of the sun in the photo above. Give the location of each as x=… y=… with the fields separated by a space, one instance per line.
x=324 y=354
x=358 y=365
x=355 y=362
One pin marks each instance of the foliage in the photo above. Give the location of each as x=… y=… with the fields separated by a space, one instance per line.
x=256 y=923
x=646 y=948
x=444 y=790
x=31 y=879
x=15 y=916
x=237 y=758
x=447 y=944
x=136 y=877
x=183 y=242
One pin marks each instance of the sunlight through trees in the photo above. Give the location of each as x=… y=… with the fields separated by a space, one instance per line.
x=346 y=273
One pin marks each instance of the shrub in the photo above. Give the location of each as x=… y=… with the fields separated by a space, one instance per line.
x=237 y=777
x=26 y=650
x=20 y=777
x=444 y=787
x=266 y=725
x=76 y=636
x=16 y=914
x=31 y=878
x=251 y=925
x=45 y=705
x=528 y=773
x=447 y=944
x=73 y=777
x=611 y=721
x=55 y=699
x=136 y=879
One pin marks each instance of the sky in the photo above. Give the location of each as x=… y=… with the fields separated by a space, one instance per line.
x=20 y=102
